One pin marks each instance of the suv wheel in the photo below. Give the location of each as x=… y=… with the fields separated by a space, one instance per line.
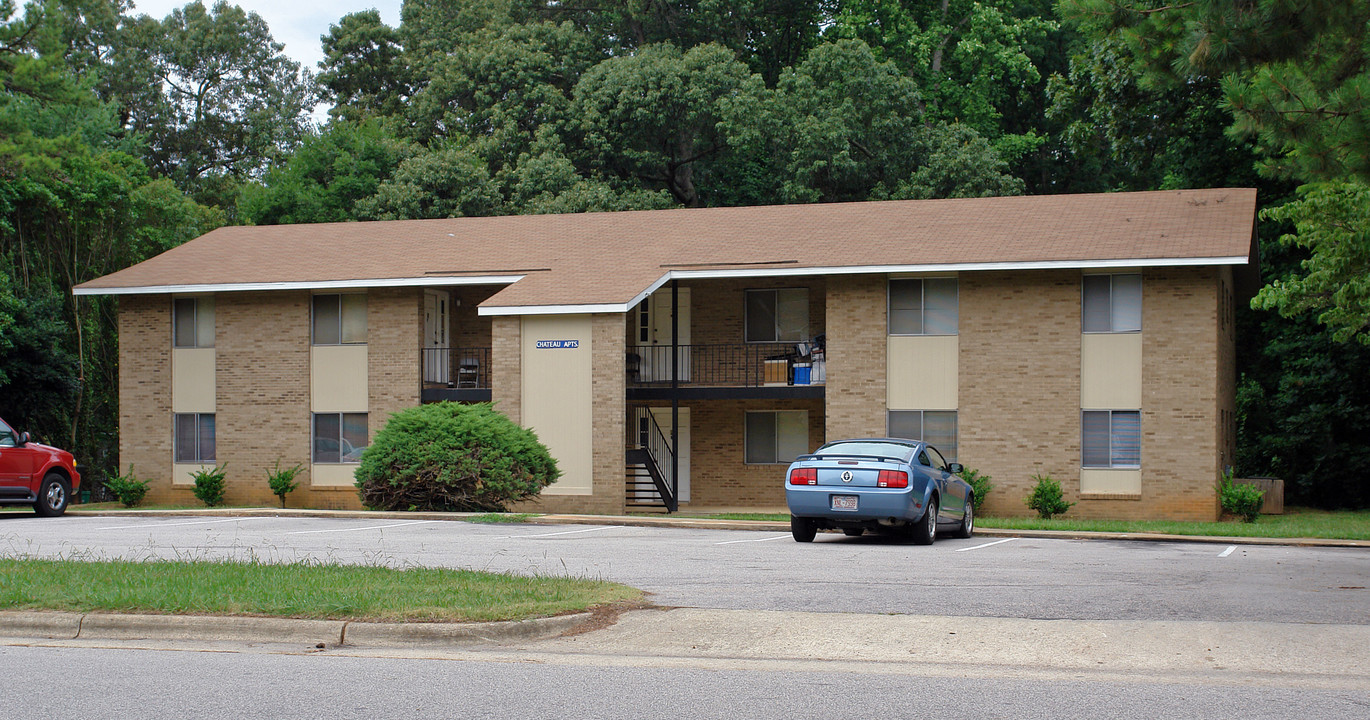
x=53 y=496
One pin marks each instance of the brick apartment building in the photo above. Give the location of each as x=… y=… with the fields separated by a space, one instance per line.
x=1087 y=337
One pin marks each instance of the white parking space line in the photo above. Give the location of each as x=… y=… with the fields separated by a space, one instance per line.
x=369 y=527
x=162 y=525
x=977 y=547
x=1228 y=551
x=564 y=532
x=734 y=542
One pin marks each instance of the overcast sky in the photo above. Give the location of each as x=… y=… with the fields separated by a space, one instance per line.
x=295 y=23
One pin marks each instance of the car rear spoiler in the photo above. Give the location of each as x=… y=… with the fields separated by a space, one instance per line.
x=829 y=456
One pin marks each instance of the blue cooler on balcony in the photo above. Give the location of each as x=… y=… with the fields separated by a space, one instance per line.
x=802 y=373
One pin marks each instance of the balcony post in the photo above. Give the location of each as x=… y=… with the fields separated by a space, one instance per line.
x=675 y=395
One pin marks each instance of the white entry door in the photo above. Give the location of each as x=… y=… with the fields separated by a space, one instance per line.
x=436 y=344
x=654 y=331
x=662 y=416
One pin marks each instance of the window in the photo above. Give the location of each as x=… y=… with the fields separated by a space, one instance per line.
x=776 y=436
x=8 y=437
x=194 y=438
x=777 y=315
x=339 y=319
x=1111 y=438
x=339 y=437
x=923 y=307
x=1112 y=303
x=193 y=322
x=935 y=427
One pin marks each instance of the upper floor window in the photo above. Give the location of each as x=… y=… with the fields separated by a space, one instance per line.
x=926 y=306
x=192 y=322
x=935 y=427
x=340 y=319
x=1112 y=303
x=1111 y=438
x=777 y=315
x=194 y=438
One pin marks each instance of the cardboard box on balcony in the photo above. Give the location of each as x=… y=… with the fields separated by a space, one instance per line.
x=777 y=372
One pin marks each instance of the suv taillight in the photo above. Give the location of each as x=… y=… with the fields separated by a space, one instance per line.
x=892 y=479
x=804 y=476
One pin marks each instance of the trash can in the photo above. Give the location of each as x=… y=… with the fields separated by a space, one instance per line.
x=802 y=373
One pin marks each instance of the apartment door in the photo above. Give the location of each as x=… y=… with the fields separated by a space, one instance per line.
x=437 y=361
x=654 y=335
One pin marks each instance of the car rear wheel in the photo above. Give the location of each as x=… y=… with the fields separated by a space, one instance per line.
x=53 y=495
x=925 y=530
x=967 y=521
x=803 y=529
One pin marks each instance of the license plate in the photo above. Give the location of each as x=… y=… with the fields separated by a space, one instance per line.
x=843 y=502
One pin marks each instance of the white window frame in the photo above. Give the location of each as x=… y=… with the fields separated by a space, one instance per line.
x=202 y=322
x=922 y=306
x=198 y=420
x=949 y=453
x=777 y=458
x=775 y=302
x=314 y=437
x=1112 y=319
x=1112 y=439
x=342 y=321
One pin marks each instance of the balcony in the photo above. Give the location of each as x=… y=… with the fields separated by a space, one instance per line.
x=460 y=374
x=734 y=370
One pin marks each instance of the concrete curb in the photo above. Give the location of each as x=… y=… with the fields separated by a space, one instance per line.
x=705 y=523
x=331 y=633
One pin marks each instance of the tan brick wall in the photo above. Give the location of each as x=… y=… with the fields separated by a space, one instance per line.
x=718 y=307
x=506 y=373
x=608 y=413
x=469 y=328
x=1180 y=395
x=719 y=475
x=145 y=391
x=394 y=333
x=1019 y=385
x=855 y=314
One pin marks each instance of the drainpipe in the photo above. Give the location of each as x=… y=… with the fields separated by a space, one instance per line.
x=675 y=395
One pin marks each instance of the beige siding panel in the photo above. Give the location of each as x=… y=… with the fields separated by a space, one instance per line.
x=557 y=400
x=192 y=380
x=333 y=475
x=338 y=378
x=923 y=372
x=182 y=473
x=1111 y=371
x=1107 y=481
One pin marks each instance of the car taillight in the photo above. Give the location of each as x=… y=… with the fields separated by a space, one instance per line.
x=804 y=476
x=892 y=479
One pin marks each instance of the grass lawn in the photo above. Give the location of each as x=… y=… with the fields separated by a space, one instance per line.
x=337 y=592
x=1295 y=523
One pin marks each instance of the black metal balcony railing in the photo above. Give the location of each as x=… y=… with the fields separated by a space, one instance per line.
x=460 y=367
x=722 y=365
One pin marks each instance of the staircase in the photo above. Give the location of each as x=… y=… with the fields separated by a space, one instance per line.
x=647 y=487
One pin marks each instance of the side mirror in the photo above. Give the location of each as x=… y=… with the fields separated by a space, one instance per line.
x=24 y=439
x=955 y=468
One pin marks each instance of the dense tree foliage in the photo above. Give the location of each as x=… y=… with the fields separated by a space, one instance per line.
x=122 y=135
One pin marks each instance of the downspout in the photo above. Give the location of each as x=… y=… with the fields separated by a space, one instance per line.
x=675 y=395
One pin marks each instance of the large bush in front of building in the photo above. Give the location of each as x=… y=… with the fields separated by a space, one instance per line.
x=453 y=457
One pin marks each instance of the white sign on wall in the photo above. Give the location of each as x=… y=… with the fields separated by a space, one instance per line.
x=557 y=344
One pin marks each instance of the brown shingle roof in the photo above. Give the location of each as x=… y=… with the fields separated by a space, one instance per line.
x=610 y=258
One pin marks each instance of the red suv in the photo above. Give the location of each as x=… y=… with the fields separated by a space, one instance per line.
x=35 y=474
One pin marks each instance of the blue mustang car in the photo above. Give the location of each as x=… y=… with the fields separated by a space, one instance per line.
x=886 y=485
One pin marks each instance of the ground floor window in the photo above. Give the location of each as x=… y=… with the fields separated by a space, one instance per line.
x=194 y=437
x=934 y=427
x=776 y=436
x=339 y=437
x=1111 y=438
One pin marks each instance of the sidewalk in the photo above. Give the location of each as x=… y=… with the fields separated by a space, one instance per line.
x=705 y=523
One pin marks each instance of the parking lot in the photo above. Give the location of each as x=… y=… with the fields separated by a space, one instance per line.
x=720 y=569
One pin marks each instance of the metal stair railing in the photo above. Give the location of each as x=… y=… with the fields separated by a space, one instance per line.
x=656 y=455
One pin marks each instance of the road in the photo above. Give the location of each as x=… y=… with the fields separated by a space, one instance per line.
x=986 y=627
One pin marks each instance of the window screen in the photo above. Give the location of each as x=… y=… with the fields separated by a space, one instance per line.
x=1111 y=303
x=923 y=307
x=1111 y=438
x=193 y=322
x=339 y=319
x=194 y=438
x=777 y=315
x=776 y=437
x=935 y=427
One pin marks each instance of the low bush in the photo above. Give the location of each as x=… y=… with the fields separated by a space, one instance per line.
x=1047 y=498
x=1244 y=501
x=979 y=484
x=452 y=457
x=209 y=485
x=282 y=482
x=127 y=488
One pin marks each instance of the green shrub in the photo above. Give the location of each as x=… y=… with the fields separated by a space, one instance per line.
x=282 y=482
x=1243 y=500
x=451 y=457
x=1047 y=498
x=127 y=488
x=979 y=484
x=209 y=485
